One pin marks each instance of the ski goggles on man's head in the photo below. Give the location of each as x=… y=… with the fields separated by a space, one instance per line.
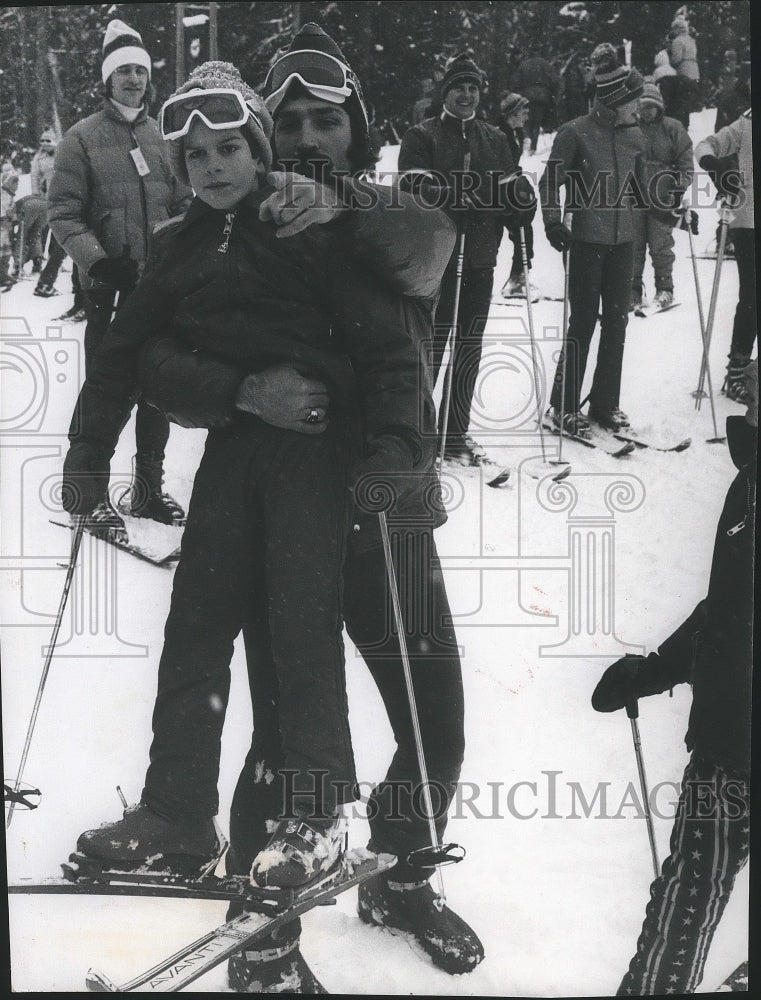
x=218 y=108
x=323 y=76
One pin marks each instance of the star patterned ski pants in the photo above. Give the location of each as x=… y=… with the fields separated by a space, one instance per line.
x=709 y=847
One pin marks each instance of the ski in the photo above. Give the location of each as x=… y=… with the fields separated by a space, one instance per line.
x=164 y=554
x=682 y=445
x=626 y=448
x=737 y=982
x=208 y=951
x=518 y=300
x=644 y=312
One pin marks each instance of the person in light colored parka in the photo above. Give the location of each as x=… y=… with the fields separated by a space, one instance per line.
x=111 y=186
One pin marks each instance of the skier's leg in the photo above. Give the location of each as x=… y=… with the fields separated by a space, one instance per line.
x=147 y=498
x=744 y=331
x=640 y=226
x=660 y=236
x=475 y=300
x=709 y=847
x=616 y=282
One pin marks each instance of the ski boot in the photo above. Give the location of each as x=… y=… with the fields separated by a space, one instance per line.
x=465 y=451
x=735 y=382
x=663 y=299
x=74 y=314
x=44 y=291
x=273 y=964
x=574 y=424
x=612 y=420
x=411 y=909
x=637 y=298
x=299 y=852
x=515 y=287
x=146 y=498
x=145 y=840
x=104 y=522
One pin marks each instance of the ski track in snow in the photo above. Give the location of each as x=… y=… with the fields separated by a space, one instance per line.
x=559 y=901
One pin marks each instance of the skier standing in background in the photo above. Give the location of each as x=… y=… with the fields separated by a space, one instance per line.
x=539 y=81
x=683 y=56
x=668 y=159
x=111 y=185
x=40 y=174
x=514 y=112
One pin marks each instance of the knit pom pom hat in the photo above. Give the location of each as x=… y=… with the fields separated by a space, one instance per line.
x=651 y=93
x=461 y=69
x=511 y=104
x=615 y=84
x=257 y=130
x=123 y=46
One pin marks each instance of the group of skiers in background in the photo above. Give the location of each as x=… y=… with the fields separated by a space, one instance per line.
x=305 y=326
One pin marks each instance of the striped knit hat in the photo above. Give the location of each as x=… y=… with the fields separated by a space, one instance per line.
x=511 y=104
x=651 y=93
x=123 y=45
x=614 y=84
x=460 y=69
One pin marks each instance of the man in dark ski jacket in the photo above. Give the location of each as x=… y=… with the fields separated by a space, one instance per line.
x=464 y=164
x=408 y=247
x=599 y=158
x=669 y=165
x=111 y=185
x=713 y=651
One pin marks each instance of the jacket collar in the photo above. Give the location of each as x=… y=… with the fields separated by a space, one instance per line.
x=113 y=113
x=603 y=114
x=199 y=209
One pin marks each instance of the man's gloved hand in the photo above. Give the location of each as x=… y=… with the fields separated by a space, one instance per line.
x=85 y=478
x=726 y=178
x=283 y=397
x=519 y=200
x=687 y=219
x=384 y=476
x=559 y=236
x=116 y=272
x=627 y=679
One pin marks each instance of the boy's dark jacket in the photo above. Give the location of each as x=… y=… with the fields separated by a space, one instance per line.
x=308 y=300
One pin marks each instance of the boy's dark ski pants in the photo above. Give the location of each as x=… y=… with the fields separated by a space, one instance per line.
x=263 y=549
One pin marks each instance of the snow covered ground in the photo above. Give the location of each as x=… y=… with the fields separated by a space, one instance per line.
x=557 y=896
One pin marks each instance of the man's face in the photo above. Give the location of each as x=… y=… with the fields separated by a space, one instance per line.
x=315 y=134
x=628 y=114
x=128 y=84
x=648 y=111
x=220 y=166
x=462 y=99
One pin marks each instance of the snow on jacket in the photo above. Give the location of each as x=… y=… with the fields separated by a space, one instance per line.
x=440 y=145
x=604 y=167
x=262 y=301
x=41 y=171
x=736 y=138
x=683 y=55
x=98 y=203
x=668 y=147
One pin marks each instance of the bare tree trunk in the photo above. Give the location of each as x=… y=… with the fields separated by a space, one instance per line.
x=43 y=105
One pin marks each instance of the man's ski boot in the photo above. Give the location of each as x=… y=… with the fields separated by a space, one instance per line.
x=515 y=287
x=637 y=298
x=45 y=291
x=146 y=498
x=73 y=315
x=104 y=522
x=735 y=382
x=465 y=451
x=573 y=424
x=411 y=909
x=144 y=840
x=299 y=852
x=612 y=420
x=273 y=964
x=663 y=298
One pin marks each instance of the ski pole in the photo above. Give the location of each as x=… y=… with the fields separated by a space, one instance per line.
x=399 y=621
x=567 y=222
x=724 y=217
x=632 y=710
x=79 y=524
x=446 y=394
x=715 y=439
x=532 y=338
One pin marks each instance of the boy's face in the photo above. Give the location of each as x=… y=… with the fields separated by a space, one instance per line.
x=462 y=99
x=648 y=111
x=220 y=166
x=315 y=134
x=519 y=119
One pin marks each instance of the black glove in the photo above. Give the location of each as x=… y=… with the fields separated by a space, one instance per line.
x=688 y=220
x=519 y=201
x=630 y=678
x=385 y=475
x=85 y=478
x=724 y=174
x=559 y=236
x=117 y=272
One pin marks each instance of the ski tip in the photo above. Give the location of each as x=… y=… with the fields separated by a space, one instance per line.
x=97 y=982
x=683 y=445
x=499 y=480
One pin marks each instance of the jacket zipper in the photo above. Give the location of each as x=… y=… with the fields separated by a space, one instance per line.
x=748 y=508
x=226 y=232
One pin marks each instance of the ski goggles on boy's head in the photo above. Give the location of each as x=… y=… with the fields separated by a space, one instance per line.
x=218 y=108
x=323 y=76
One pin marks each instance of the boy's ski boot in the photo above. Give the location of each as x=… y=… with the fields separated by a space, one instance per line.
x=411 y=909
x=300 y=851
x=146 y=497
x=273 y=965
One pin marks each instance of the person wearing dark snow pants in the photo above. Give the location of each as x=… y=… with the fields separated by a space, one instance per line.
x=713 y=651
x=600 y=160
x=735 y=189
x=111 y=185
x=514 y=112
x=410 y=246
x=461 y=163
x=668 y=158
x=271 y=509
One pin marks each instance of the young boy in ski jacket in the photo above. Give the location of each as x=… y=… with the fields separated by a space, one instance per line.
x=441 y=155
x=111 y=185
x=712 y=650
x=668 y=161
x=40 y=175
x=735 y=189
x=599 y=158
x=514 y=114
x=408 y=246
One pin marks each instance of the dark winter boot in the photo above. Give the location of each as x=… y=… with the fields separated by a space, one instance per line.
x=464 y=450
x=612 y=420
x=410 y=909
x=735 y=383
x=575 y=424
x=299 y=852
x=143 y=839
x=273 y=965
x=146 y=498
x=106 y=523
x=44 y=291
